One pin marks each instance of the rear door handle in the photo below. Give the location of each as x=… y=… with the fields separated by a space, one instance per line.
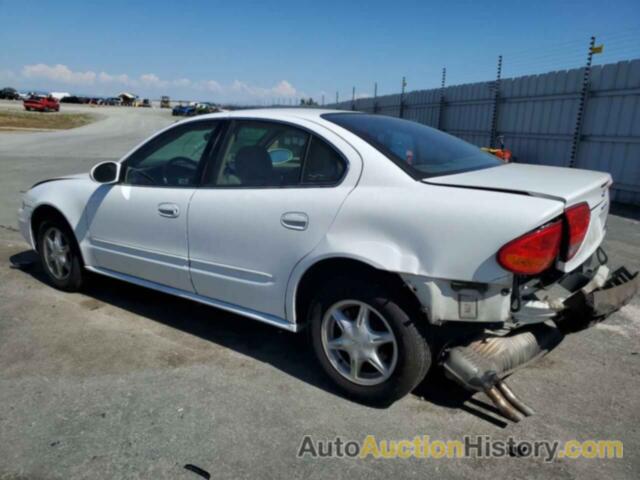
x=295 y=220
x=169 y=210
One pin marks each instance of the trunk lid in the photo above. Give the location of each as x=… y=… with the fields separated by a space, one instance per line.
x=567 y=185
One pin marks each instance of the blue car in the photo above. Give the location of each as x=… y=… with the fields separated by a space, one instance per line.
x=183 y=111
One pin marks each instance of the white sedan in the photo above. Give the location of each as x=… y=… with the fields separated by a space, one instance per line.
x=395 y=245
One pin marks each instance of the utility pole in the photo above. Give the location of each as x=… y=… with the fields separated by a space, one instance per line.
x=584 y=93
x=496 y=99
x=442 y=105
x=323 y=99
x=404 y=85
x=375 y=97
x=337 y=97
x=353 y=98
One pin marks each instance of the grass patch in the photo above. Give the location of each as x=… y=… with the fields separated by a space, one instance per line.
x=17 y=120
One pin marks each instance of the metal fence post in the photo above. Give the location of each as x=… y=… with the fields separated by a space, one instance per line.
x=496 y=100
x=442 y=104
x=584 y=93
x=404 y=84
x=375 y=97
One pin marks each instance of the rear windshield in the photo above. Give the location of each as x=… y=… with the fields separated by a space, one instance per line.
x=419 y=150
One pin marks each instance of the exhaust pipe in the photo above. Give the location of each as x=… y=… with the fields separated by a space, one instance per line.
x=481 y=364
x=526 y=410
x=503 y=405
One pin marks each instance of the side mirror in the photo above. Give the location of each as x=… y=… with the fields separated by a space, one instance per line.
x=106 y=172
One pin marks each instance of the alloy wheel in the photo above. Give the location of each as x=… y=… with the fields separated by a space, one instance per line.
x=57 y=253
x=359 y=342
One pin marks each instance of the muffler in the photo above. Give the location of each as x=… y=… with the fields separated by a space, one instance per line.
x=481 y=364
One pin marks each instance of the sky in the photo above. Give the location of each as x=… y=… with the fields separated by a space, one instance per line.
x=257 y=52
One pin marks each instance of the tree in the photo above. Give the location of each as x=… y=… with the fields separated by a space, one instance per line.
x=309 y=102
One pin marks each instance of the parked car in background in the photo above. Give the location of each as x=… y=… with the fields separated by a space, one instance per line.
x=184 y=110
x=145 y=103
x=73 y=99
x=111 y=101
x=9 y=93
x=396 y=246
x=203 y=108
x=41 y=104
x=165 y=102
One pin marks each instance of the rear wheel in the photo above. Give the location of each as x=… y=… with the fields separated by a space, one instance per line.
x=60 y=256
x=366 y=339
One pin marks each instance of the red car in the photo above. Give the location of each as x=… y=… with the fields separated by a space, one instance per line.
x=42 y=104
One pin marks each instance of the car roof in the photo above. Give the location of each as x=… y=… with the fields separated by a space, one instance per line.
x=292 y=113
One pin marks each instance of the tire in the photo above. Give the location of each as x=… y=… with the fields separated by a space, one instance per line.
x=388 y=310
x=67 y=275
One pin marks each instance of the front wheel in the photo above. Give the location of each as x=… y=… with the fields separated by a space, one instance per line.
x=367 y=340
x=60 y=255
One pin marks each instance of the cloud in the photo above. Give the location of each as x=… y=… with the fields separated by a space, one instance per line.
x=152 y=80
x=284 y=89
x=108 y=78
x=182 y=82
x=281 y=89
x=212 y=86
x=152 y=83
x=59 y=73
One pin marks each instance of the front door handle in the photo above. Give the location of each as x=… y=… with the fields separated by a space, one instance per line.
x=295 y=220
x=169 y=210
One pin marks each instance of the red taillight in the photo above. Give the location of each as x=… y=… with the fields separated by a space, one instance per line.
x=534 y=252
x=578 y=218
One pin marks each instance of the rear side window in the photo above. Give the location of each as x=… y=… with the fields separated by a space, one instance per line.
x=419 y=150
x=323 y=165
x=272 y=154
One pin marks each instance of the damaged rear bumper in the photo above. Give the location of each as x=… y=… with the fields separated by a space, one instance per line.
x=482 y=363
x=589 y=306
x=576 y=301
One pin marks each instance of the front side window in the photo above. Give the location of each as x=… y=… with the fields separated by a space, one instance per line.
x=172 y=158
x=262 y=154
x=420 y=150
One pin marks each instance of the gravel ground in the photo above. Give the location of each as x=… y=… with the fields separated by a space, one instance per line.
x=122 y=382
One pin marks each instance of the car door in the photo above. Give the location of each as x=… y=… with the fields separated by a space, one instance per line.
x=138 y=226
x=267 y=201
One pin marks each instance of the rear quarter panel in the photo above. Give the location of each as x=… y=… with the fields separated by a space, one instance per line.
x=435 y=231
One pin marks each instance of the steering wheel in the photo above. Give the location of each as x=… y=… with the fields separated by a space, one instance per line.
x=142 y=173
x=177 y=167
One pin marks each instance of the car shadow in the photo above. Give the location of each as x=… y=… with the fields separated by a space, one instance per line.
x=288 y=352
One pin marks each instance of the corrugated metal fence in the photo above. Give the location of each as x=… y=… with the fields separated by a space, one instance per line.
x=537 y=116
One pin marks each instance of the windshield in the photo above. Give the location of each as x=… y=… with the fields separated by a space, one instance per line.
x=419 y=150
